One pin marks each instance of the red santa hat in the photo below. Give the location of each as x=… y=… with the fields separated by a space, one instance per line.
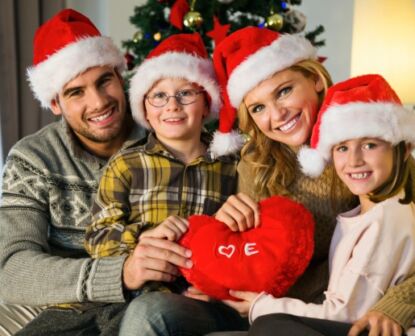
x=243 y=60
x=64 y=47
x=178 y=56
x=364 y=106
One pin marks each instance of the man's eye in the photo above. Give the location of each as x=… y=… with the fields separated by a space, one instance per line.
x=75 y=93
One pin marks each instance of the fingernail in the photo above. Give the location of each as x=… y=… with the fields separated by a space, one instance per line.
x=188 y=253
x=189 y=264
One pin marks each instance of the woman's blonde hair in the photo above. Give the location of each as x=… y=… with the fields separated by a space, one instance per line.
x=274 y=163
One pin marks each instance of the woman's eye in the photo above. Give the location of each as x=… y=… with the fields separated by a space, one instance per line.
x=284 y=91
x=257 y=108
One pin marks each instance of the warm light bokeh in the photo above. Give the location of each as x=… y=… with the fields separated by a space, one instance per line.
x=384 y=43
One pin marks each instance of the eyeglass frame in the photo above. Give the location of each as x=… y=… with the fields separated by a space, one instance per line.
x=176 y=97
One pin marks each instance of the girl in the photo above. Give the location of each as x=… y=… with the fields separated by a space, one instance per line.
x=363 y=127
x=277 y=84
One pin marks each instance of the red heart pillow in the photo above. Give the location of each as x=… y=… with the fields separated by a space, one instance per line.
x=269 y=258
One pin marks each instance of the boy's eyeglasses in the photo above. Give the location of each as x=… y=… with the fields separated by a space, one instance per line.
x=183 y=97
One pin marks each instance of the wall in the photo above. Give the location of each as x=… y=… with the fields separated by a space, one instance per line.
x=112 y=18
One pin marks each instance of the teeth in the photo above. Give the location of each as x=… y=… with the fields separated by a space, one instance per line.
x=173 y=119
x=359 y=176
x=102 y=117
x=289 y=125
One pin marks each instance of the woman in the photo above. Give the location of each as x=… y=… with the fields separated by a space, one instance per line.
x=277 y=85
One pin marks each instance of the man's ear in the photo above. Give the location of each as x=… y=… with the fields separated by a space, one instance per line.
x=55 y=106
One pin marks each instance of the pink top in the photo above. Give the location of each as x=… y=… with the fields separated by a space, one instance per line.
x=369 y=253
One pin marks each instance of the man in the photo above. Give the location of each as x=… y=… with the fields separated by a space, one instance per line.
x=50 y=179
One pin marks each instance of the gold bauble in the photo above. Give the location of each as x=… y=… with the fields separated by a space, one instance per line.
x=274 y=22
x=157 y=36
x=193 y=20
x=138 y=36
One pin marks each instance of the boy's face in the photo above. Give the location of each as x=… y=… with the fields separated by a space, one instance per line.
x=363 y=164
x=175 y=121
x=94 y=105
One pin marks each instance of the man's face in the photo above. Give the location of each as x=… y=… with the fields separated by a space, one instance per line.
x=94 y=105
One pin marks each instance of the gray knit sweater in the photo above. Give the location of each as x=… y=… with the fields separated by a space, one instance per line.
x=49 y=183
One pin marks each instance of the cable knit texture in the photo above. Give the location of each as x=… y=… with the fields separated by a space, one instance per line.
x=49 y=183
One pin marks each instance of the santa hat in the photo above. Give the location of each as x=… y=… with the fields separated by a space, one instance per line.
x=243 y=60
x=65 y=46
x=364 y=106
x=178 y=56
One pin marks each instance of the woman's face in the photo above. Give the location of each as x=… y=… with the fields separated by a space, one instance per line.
x=284 y=107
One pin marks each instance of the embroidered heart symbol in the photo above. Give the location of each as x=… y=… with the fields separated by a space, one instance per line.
x=226 y=250
x=269 y=258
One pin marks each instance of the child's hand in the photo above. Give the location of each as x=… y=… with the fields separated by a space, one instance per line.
x=172 y=228
x=242 y=307
x=194 y=293
x=239 y=212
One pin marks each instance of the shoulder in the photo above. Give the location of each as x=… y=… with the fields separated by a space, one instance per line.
x=41 y=146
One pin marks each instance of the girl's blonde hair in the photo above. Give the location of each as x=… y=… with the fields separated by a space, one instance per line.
x=274 y=163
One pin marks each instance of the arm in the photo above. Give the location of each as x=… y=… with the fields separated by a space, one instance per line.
x=355 y=286
x=110 y=232
x=30 y=273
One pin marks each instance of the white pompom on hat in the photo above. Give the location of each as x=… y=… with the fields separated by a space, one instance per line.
x=364 y=106
x=178 y=56
x=244 y=59
x=64 y=47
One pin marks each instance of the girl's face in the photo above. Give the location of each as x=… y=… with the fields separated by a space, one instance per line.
x=363 y=164
x=175 y=121
x=284 y=107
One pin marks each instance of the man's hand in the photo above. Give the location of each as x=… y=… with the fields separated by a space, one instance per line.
x=377 y=324
x=172 y=228
x=154 y=259
x=239 y=212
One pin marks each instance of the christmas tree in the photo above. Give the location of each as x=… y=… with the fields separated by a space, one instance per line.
x=213 y=19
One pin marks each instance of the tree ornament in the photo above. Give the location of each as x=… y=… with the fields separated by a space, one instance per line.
x=178 y=10
x=219 y=31
x=274 y=22
x=129 y=60
x=193 y=20
x=138 y=36
x=157 y=36
x=295 y=21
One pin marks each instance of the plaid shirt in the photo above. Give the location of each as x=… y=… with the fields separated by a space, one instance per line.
x=143 y=185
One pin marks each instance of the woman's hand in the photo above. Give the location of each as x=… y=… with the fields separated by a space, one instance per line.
x=239 y=213
x=172 y=228
x=377 y=324
x=243 y=306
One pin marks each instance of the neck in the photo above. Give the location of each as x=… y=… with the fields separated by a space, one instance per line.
x=106 y=149
x=185 y=150
x=365 y=203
